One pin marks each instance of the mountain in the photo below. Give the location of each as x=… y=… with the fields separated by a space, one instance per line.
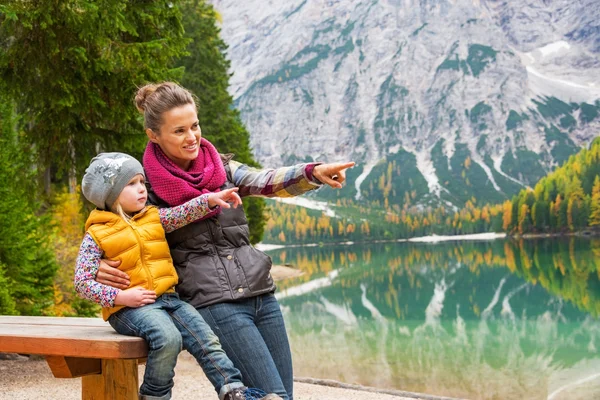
x=437 y=101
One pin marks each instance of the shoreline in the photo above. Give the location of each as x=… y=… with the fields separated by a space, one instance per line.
x=416 y=239
x=584 y=234
x=439 y=238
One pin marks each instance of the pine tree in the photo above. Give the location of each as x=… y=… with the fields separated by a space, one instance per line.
x=563 y=218
x=72 y=68
x=576 y=217
x=594 y=219
x=7 y=303
x=540 y=213
x=555 y=213
x=27 y=265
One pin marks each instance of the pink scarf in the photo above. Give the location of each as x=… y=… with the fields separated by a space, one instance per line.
x=176 y=186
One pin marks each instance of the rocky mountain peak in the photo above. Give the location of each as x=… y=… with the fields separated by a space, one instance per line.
x=461 y=98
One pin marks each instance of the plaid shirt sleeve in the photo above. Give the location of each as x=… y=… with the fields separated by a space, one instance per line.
x=281 y=182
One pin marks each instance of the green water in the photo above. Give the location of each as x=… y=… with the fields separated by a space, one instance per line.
x=501 y=319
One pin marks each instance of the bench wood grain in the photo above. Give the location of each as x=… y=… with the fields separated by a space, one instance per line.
x=79 y=347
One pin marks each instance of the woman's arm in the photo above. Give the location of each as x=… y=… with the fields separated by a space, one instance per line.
x=286 y=181
x=86 y=268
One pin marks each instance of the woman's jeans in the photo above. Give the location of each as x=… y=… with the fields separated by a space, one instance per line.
x=253 y=335
x=167 y=325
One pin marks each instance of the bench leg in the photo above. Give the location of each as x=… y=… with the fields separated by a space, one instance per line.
x=73 y=367
x=119 y=380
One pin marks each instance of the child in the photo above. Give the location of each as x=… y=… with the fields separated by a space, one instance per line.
x=124 y=228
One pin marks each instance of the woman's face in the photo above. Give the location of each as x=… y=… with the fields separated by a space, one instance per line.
x=179 y=136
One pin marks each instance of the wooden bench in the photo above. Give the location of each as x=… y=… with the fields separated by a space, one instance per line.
x=79 y=347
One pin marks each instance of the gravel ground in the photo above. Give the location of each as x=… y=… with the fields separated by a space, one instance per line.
x=24 y=379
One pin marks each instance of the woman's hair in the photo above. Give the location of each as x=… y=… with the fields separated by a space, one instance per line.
x=154 y=99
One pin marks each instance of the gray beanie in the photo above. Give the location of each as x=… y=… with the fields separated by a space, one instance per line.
x=106 y=177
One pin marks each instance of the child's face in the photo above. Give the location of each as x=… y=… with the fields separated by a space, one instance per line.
x=133 y=196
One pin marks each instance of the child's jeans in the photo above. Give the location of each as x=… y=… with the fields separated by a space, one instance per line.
x=167 y=325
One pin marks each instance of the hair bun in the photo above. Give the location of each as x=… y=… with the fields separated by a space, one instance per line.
x=142 y=95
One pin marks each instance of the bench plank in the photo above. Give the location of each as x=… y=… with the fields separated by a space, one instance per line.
x=63 y=321
x=84 y=338
x=73 y=347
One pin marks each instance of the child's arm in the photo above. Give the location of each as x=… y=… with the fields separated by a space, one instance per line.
x=135 y=297
x=86 y=268
x=176 y=217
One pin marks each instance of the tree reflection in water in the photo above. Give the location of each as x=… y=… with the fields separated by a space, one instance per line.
x=481 y=320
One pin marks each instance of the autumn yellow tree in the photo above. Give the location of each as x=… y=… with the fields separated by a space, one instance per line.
x=524 y=223
x=506 y=215
x=575 y=212
x=594 y=219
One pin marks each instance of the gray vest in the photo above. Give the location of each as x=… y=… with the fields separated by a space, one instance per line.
x=215 y=260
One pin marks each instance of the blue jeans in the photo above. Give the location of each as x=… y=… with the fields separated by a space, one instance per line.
x=167 y=325
x=252 y=333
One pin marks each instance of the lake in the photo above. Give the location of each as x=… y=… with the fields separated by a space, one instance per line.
x=498 y=319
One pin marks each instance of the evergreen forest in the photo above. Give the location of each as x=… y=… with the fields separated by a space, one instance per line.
x=68 y=73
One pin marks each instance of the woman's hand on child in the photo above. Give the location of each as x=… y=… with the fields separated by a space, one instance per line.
x=333 y=174
x=224 y=198
x=135 y=297
x=109 y=274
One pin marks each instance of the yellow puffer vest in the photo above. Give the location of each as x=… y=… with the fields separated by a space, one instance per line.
x=140 y=246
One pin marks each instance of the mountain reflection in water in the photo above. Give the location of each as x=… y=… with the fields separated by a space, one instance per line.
x=500 y=319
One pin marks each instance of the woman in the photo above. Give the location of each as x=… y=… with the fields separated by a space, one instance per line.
x=224 y=277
